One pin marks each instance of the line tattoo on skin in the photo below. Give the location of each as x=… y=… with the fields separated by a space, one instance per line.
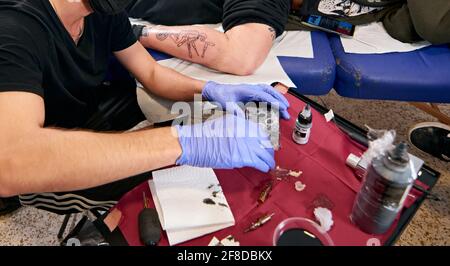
x=274 y=34
x=162 y=36
x=192 y=38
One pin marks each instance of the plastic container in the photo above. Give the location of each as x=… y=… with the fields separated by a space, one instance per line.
x=300 y=232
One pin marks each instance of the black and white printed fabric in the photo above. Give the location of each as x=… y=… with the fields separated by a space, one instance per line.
x=376 y=3
x=101 y=198
x=344 y=8
x=336 y=8
x=65 y=203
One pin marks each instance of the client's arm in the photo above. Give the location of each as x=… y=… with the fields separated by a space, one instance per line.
x=240 y=51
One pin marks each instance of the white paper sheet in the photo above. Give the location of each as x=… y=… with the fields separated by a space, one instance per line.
x=271 y=71
x=176 y=237
x=179 y=194
x=374 y=39
x=294 y=44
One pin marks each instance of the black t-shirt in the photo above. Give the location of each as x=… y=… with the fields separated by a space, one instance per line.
x=37 y=55
x=231 y=13
x=177 y=12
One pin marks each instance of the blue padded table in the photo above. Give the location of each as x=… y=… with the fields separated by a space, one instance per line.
x=419 y=76
x=311 y=76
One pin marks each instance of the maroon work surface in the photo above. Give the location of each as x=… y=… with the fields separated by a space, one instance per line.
x=325 y=174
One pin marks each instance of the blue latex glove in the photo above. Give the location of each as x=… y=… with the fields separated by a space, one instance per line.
x=226 y=143
x=244 y=93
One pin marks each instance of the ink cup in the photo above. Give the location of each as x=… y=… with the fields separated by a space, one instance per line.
x=299 y=232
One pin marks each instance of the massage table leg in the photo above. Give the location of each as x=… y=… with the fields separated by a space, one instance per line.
x=433 y=109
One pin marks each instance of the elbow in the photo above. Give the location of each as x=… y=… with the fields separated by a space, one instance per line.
x=246 y=69
x=243 y=67
x=6 y=177
x=5 y=191
x=244 y=63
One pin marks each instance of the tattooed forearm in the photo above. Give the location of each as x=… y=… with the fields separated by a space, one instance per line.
x=193 y=39
x=273 y=33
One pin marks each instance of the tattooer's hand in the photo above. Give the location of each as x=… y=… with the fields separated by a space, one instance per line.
x=226 y=143
x=229 y=95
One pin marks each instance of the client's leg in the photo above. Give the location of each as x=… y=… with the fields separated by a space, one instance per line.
x=431 y=19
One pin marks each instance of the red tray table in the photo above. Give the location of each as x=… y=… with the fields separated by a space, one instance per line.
x=325 y=174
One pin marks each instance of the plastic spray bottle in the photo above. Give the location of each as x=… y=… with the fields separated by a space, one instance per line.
x=386 y=185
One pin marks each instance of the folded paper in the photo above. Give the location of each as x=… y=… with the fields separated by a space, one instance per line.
x=190 y=203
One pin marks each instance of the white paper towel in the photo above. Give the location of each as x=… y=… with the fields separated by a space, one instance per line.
x=179 y=195
x=176 y=237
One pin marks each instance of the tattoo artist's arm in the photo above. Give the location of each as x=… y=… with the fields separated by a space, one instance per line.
x=159 y=80
x=34 y=159
x=240 y=51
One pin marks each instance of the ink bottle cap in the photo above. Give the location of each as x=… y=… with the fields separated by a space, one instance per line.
x=353 y=161
x=305 y=117
x=398 y=157
x=356 y=163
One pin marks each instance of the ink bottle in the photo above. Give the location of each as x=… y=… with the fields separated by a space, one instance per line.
x=303 y=126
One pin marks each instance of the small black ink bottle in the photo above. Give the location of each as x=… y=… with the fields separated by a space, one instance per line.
x=303 y=126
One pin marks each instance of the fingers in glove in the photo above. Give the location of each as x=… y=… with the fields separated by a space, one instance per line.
x=260 y=165
x=285 y=114
x=267 y=156
x=272 y=91
x=235 y=109
x=269 y=98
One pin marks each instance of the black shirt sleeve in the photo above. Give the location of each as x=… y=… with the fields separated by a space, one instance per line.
x=122 y=34
x=177 y=12
x=20 y=59
x=273 y=13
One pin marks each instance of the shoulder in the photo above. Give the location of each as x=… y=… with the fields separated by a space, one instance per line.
x=22 y=36
x=20 y=27
x=16 y=19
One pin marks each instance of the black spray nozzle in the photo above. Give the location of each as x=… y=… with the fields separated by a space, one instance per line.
x=399 y=154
